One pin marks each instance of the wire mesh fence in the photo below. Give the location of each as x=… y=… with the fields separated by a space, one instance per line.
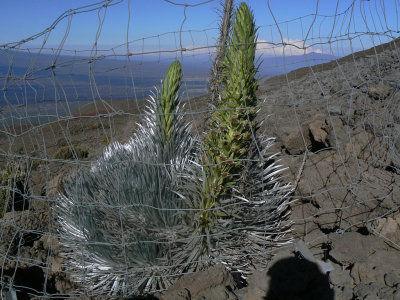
x=109 y=184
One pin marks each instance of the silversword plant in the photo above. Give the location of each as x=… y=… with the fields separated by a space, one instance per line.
x=164 y=204
x=118 y=220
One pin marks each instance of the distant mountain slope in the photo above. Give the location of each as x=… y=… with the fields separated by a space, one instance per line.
x=49 y=77
x=302 y=71
x=76 y=78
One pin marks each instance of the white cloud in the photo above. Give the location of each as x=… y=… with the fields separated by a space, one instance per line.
x=288 y=47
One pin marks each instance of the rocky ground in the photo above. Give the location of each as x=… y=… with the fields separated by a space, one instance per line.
x=337 y=127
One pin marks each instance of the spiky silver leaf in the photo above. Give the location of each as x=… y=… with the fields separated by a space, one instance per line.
x=247 y=225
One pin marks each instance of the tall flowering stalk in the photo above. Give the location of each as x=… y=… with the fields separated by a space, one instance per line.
x=229 y=141
x=243 y=204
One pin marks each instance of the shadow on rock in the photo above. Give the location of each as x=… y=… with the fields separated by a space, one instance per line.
x=295 y=278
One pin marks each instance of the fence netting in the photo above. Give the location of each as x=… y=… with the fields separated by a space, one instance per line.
x=79 y=141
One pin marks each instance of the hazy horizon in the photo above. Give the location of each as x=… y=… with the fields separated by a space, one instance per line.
x=37 y=92
x=116 y=79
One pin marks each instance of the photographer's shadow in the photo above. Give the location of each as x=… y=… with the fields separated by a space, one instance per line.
x=296 y=278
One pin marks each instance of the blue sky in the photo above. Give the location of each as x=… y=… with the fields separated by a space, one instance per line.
x=151 y=21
